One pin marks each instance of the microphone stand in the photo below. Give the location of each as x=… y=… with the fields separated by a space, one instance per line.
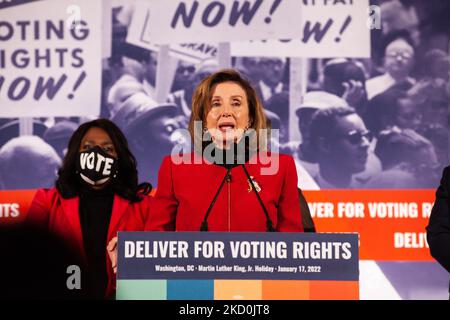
x=204 y=225
x=269 y=223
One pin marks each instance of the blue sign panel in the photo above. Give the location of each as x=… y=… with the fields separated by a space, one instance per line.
x=239 y=255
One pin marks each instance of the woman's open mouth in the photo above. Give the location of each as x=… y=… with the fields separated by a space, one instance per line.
x=226 y=126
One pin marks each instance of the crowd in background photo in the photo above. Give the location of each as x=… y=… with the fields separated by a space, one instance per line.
x=378 y=123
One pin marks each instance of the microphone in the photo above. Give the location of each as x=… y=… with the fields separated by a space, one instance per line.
x=204 y=225
x=269 y=223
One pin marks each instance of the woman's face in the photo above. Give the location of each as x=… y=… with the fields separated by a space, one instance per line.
x=98 y=137
x=228 y=116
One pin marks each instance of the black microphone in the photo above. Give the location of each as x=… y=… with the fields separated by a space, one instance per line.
x=204 y=225
x=269 y=223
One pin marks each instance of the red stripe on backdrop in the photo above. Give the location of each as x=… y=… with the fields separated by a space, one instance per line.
x=391 y=223
x=14 y=205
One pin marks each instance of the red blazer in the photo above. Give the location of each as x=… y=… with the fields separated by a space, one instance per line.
x=61 y=216
x=185 y=192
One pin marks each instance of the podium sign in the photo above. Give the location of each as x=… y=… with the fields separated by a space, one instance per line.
x=237 y=265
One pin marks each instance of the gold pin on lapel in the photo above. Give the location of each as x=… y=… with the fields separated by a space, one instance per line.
x=257 y=187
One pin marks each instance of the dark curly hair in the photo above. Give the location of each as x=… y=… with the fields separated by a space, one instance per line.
x=125 y=184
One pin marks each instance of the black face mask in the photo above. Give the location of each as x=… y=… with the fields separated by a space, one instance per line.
x=96 y=167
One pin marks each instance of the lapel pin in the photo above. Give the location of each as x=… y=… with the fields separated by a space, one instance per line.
x=257 y=187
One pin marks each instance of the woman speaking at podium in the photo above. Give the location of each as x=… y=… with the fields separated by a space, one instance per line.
x=225 y=184
x=230 y=182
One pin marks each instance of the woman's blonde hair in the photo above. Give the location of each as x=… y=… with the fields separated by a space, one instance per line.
x=201 y=101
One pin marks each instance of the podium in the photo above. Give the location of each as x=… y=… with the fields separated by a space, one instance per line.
x=237 y=266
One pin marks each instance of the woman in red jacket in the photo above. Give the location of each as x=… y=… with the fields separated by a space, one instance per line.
x=230 y=182
x=96 y=195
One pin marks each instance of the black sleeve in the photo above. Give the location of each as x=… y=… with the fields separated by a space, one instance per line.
x=438 y=229
x=307 y=221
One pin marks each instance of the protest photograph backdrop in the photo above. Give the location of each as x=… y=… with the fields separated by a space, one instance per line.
x=359 y=91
